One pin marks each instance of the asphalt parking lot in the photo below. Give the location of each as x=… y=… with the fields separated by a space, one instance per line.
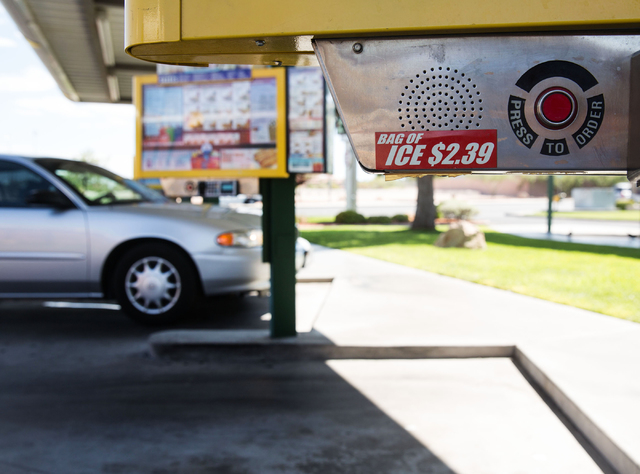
x=81 y=394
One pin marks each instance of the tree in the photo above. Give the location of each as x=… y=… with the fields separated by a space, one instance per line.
x=425 y=209
x=88 y=156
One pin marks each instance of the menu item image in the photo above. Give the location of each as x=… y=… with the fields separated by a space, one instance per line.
x=266 y=158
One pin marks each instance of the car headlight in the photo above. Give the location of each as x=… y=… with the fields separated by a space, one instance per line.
x=246 y=239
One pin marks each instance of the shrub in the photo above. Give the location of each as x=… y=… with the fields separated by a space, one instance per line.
x=400 y=218
x=350 y=217
x=456 y=210
x=624 y=204
x=379 y=220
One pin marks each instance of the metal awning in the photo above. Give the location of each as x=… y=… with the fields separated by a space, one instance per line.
x=81 y=42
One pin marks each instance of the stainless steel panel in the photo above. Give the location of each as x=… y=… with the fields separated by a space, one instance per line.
x=633 y=174
x=465 y=83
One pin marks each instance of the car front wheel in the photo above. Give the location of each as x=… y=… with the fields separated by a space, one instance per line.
x=155 y=284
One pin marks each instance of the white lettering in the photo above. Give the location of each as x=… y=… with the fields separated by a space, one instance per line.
x=392 y=155
x=401 y=159
x=437 y=154
x=418 y=152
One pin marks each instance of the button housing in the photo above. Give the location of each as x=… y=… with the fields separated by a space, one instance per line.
x=556 y=108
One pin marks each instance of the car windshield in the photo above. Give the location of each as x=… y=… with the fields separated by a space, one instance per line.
x=148 y=193
x=96 y=186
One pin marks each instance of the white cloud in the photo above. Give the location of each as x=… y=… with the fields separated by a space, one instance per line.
x=7 y=43
x=58 y=106
x=32 y=79
x=49 y=105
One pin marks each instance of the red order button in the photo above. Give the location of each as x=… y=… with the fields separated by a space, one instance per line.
x=556 y=108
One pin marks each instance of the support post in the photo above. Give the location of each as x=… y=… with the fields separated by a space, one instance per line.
x=351 y=183
x=550 y=208
x=279 y=229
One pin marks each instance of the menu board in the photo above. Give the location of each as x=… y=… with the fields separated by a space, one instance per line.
x=306 y=121
x=215 y=72
x=212 y=129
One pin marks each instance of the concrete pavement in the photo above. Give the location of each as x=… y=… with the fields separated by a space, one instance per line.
x=585 y=364
x=593 y=359
x=80 y=395
x=590 y=239
x=581 y=231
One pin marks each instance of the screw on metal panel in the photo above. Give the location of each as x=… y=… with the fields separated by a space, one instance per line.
x=357 y=48
x=277 y=63
x=260 y=42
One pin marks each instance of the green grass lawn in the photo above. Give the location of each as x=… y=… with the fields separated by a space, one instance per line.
x=318 y=219
x=596 y=278
x=618 y=215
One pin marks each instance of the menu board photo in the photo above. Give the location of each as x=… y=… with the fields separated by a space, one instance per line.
x=212 y=129
x=306 y=121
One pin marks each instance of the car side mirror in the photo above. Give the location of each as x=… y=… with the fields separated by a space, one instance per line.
x=45 y=197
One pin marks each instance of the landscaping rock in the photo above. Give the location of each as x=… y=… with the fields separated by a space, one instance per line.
x=462 y=234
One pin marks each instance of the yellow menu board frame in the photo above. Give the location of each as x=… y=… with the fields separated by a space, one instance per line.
x=280 y=169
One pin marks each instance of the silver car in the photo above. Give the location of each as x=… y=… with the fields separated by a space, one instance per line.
x=72 y=230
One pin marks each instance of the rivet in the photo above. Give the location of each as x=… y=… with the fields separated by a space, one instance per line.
x=260 y=42
x=357 y=48
x=277 y=63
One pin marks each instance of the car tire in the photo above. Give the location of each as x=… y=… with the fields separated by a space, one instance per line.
x=156 y=284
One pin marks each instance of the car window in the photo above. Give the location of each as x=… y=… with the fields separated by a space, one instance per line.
x=148 y=193
x=18 y=183
x=96 y=186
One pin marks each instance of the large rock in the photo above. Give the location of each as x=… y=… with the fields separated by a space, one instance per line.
x=462 y=234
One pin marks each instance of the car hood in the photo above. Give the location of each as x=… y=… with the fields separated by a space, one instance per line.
x=215 y=215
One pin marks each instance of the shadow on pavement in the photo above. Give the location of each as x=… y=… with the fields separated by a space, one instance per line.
x=81 y=395
x=516 y=241
x=29 y=318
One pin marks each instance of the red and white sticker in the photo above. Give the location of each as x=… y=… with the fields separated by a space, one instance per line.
x=436 y=150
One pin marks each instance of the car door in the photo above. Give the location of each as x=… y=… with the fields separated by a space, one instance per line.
x=43 y=249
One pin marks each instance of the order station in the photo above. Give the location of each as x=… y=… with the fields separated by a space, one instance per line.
x=461 y=88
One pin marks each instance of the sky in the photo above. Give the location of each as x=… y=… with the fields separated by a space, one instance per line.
x=36 y=119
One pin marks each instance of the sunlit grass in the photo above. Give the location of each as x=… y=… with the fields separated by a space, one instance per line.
x=597 y=278
x=316 y=219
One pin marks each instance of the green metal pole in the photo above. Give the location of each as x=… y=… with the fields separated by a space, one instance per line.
x=550 y=209
x=279 y=228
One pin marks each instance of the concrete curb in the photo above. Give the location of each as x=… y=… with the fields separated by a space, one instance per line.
x=315 y=280
x=203 y=345
x=607 y=454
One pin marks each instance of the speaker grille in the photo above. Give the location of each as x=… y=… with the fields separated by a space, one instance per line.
x=440 y=98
